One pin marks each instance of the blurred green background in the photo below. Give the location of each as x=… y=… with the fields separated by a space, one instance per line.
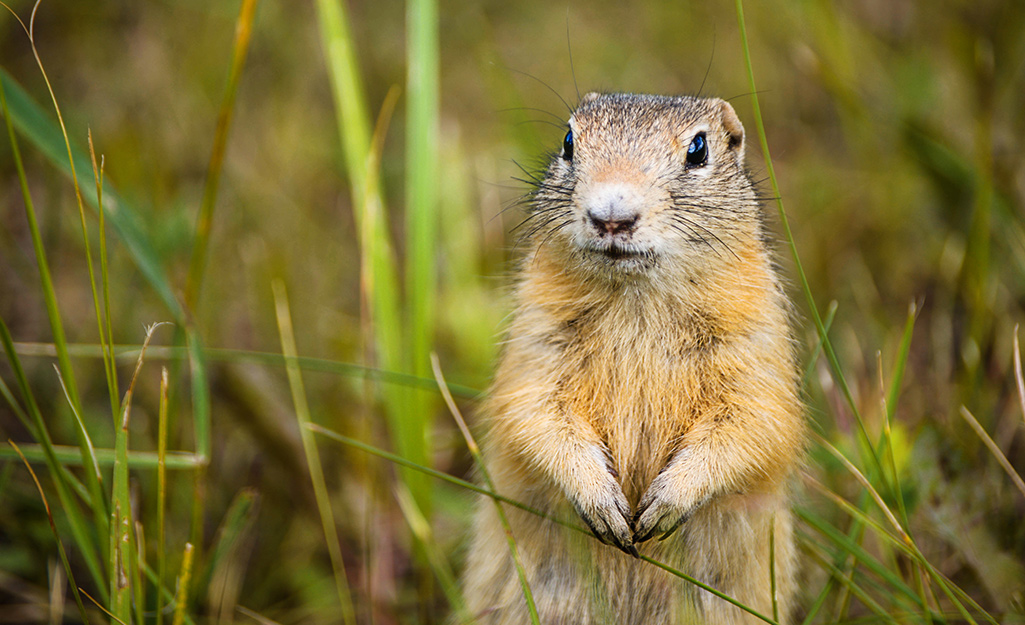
x=897 y=131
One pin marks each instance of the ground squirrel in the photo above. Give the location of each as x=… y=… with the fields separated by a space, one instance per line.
x=648 y=382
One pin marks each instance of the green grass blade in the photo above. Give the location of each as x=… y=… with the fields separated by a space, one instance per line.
x=361 y=147
x=49 y=294
x=122 y=544
x=422 y=158
x=302 y=413
x=200 y=393
x=200 y=387
x=993 y=449
x=243 y=33
x=70 y=456
x=451 y=479
x=216 y=354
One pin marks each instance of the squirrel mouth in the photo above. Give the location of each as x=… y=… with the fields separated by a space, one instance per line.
x=618 y=252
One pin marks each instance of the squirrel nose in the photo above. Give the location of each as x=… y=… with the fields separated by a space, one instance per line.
x=619 y=225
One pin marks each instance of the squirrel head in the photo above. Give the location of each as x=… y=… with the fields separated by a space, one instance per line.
x=648 y=184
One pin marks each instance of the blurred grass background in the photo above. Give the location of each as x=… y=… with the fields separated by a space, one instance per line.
x=896 y=130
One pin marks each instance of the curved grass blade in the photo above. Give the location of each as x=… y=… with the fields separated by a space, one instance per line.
x=471 y=444
x=56 y=536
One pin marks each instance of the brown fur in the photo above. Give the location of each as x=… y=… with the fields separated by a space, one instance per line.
x=648 y=383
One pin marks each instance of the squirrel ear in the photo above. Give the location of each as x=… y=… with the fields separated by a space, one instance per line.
x=734 y=129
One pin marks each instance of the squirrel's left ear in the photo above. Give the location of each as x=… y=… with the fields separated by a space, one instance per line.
x=734 y=129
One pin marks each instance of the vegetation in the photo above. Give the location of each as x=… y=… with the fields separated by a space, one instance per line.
x=317 y=196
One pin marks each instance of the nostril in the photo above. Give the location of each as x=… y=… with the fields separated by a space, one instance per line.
x=620 y=225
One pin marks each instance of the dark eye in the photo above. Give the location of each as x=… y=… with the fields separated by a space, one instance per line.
x=697 y=151
x=567 y=146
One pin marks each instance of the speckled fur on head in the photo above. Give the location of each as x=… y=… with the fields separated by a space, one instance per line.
x=648 y=387
x=629 y=160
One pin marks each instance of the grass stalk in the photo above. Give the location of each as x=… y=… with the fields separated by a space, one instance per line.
x=122 y=550
x=106 y=327
x=29 y=118
x=70 y=456
x=993 y=449
x=161 y=490
x=302 y=413
x=215 y=354
x=378 y=269
x=181 y=599
x=204 y=223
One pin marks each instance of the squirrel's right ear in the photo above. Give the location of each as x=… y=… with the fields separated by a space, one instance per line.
x=734 y=129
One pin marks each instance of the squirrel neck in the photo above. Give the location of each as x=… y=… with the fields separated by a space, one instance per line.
x=727 y=295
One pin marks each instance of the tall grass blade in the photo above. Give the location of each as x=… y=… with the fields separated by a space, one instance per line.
x=380 y=453
x=56 y=537
x=106 y=327
x=881 y=613
x=827 y=345
x=243 y=33
x=302 y=412
x=471 y=444
x=378 y=269
x=830 y=533
x=422 y=183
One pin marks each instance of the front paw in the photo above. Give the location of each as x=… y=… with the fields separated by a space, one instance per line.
x=604 y=509
x=662 y=509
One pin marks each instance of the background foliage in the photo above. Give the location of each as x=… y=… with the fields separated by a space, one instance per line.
x=896 y=130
